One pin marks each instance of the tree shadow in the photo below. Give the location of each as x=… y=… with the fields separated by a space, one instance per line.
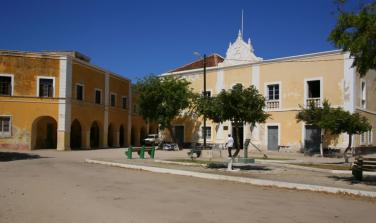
x=240 y=166
x=252 y=167
x=367 y=180
x=12 y=156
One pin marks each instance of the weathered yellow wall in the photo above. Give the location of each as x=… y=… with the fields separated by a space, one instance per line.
x=370 y=111
x=26 y=70
x=86 y=111
x=292 y=75
x=372 y=120
x=241 y=75
x=139 y=125
x=117 y=115
x=25 y=107
x=92 y=79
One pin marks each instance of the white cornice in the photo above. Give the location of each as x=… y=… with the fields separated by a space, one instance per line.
x=100 y=69
x=194 y=71
x=56 y=56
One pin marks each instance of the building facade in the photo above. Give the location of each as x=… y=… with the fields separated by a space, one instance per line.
x=287 y=83
x=60 y=100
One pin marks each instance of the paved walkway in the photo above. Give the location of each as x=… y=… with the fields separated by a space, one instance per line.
x=60 y=187
x=266 y=169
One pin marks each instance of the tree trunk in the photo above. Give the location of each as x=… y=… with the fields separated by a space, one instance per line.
x=347 y=149
x=237 y=141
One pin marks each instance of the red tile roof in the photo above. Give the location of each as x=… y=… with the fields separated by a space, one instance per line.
x=211 y=61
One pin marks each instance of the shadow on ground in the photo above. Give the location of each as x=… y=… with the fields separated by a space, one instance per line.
x=367 y=180
x=238 y=166
x=12 y=156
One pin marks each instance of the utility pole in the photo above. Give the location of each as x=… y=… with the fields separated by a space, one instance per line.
x=205 y=97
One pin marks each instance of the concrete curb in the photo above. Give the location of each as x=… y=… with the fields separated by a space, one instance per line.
x=178 y=163
x=257 y=182
x=292 y=166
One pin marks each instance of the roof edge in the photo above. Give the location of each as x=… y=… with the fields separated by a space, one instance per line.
x=259 y=62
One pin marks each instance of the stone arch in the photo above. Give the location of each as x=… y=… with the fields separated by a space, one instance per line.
x=94 y=135
x=143 y=134
x=110 y=135
x=44 y=133
x=121 y=135
x=76 y=135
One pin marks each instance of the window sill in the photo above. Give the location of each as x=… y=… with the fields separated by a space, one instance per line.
x=5 y=136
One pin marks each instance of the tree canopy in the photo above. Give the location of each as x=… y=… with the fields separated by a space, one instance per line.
x=334 y=120
x=239 y=105
x=356 y=32
x=161 y=99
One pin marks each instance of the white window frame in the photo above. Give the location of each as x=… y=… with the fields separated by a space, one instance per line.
x=112 y=93
x=361 y=141
x=8 y=134
x=266 y=92
x=363 y=94
x=53 y=85
x=202 y=135
x=126 y=106
x=83 y=91
x=266 y=132
x=306 y=80
x=370 y=137
x=207 y=90
x=95 y=96
x=11 y=82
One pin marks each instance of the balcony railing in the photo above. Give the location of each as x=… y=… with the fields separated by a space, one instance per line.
x=315 y=101
x=272 y=104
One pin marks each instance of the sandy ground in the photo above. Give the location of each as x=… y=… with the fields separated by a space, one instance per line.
x=62 y=188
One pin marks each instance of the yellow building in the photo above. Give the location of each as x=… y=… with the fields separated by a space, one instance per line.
x=286 y=83
x=60 y=100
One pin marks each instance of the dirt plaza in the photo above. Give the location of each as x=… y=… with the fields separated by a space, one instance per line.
x=61 y=187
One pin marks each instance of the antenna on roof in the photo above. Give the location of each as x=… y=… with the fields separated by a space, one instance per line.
x=242 y=22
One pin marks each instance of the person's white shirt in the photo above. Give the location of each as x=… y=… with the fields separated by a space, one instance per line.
x=230 y=142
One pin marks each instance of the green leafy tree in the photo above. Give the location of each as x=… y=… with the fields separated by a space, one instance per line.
x=356 y=32
x=238 y=105
x=334 y=120
x=161 y=99
x=352 y=124
x=316 y=115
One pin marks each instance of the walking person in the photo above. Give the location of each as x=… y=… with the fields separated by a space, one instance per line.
x=229 y=144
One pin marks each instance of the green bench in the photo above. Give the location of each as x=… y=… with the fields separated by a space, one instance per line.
x=363 y=164
x=195 y=150
x=140 y=151
x=192 y=152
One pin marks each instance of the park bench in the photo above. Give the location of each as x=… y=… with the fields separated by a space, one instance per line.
x=196 y=150
x=140 y=151
x=363 y=164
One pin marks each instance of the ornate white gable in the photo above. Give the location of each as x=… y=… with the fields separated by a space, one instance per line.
x=240 y=52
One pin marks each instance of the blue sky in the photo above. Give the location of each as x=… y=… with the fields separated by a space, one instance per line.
x=137 y=38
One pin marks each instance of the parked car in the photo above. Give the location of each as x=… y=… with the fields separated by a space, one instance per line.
x=152 y=139
x=170 y=147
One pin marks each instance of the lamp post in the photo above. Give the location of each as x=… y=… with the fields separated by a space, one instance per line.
x=204 y=94
x=205 y=97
